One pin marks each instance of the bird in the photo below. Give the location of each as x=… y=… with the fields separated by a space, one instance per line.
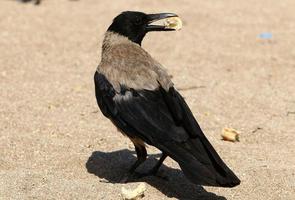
x=136 y=93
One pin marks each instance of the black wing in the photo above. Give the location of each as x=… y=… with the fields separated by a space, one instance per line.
x=164 y=120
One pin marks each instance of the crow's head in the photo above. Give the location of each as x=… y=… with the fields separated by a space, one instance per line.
x=135 y=25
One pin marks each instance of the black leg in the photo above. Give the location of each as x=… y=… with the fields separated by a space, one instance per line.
x=155 y=169
x=141 y=157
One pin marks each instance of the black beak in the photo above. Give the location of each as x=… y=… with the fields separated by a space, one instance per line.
x=156 y=17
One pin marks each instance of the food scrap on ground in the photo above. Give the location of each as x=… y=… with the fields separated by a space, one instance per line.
x=230 y=134
x=135 y=194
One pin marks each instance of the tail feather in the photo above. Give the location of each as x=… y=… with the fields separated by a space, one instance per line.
x=196 y=156
x=201 y=164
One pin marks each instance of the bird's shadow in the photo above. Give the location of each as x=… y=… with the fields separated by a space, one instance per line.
x=112 y=165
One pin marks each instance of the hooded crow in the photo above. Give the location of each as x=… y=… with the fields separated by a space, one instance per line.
x=136 y=93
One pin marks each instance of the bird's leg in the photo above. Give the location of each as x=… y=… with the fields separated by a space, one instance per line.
x=141 y=157
x=155 y=169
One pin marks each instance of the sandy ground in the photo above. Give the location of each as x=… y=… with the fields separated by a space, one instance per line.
x=55 y=144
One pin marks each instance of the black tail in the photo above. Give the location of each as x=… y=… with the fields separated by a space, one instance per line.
x=201 y=164
x=204 y=153
x=196 y=156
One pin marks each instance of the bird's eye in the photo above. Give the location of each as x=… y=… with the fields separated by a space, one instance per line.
x=138 y=21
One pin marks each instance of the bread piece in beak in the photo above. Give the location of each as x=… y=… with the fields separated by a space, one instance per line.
x=173 y=23
x=164 y=22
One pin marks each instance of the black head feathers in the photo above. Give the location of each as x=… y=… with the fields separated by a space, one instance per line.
x=135 y=25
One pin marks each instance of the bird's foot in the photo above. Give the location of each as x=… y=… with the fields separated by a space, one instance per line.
x=129 y=176
x=138 y=175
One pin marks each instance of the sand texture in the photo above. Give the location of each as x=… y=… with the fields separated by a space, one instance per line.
x=55 y=143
